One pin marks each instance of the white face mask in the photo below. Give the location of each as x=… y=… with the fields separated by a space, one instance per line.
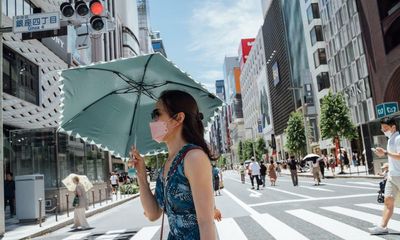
x=388 y=134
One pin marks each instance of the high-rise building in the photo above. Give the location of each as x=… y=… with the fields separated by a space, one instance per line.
x=143 y=9
x=255 y=93
x=347 y=61
x=278 y=73
x=220 y=89
x=157 y=43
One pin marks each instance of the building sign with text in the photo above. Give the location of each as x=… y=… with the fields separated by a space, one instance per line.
x=386 y=108
x=36 y=22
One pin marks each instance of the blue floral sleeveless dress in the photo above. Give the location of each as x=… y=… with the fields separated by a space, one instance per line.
x=180 y=208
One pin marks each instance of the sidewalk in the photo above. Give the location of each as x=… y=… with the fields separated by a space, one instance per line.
x=15 y=230
x=352 y=172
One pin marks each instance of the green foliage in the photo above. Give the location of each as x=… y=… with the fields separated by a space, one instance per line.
x=247 y=149
x=129 y=189
x=221 y=161
x=151 y=161
x=335 y=118
x=240 y=152
x=261 y=148
x=296 y=138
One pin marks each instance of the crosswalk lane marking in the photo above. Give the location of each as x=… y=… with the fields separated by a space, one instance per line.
x=146 y=233
x=275 y=227
x=365 y=183
x=337 y=228
x=229 y=229
x=278 y=229
x=115 y=231
x=77 y=236
x=376 y=207
x=107 y=237
x=317 y=188
x=393 y=224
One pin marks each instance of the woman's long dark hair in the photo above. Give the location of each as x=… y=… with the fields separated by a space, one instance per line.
x=176 y=101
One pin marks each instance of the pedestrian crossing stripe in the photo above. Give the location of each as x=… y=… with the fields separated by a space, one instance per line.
x=376 y=207
x=333 y=226
x=393 y=224
x=146 y=233
x=229 y=228
x=317 y=188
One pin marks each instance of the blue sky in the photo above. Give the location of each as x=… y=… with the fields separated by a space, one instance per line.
x=198 y=34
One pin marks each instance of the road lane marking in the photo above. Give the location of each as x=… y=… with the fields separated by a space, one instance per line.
x=365 y=183
x=275 y=227
x=146 y=233
x=279 y=190
x=316 y=188
x=335 y=184
x=77 y=236
x=107 y=237
x=376 y=207
x=393 y=224
x=115 y=231
x=337 y=228
x=254 y=193
x=314 y=199
x=228 y=229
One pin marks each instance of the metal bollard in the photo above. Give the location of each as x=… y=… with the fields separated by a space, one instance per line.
x=93 y=198
x=100 y=196
x=106 y=195
x=40 y=212
x=56 y=210
x=66 y=195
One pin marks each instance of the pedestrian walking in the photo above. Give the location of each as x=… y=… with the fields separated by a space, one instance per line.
x=80 y=204
x=278 y=168
x=316 y=172
x=216 y=179
x=9 y=193
x=242 y=171
x=322 y=167
x=332 y=163
x=114 y=182
x=272 y=172
x=255 y=173
x=354 y=159
x=184 y=186
x=263 y=172
x=390 y=129
x=293 y=170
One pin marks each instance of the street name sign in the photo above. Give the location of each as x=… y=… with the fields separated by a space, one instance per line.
x=36 y=22
x=386 y=108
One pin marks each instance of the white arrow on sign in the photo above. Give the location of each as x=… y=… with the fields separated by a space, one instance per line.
x=254 y=193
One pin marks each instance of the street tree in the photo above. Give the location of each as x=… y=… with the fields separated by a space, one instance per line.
x=240 y=151
x=261 y=148
x=296 y=138
x=335 y=120
x=247 y=149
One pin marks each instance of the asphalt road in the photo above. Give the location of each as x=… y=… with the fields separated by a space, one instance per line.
x=337 y=209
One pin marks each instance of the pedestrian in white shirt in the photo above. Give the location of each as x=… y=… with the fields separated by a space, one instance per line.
x=392 y=188
x=255 y=173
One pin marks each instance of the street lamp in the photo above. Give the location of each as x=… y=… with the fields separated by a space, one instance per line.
x=304 y=109
x=252 y=137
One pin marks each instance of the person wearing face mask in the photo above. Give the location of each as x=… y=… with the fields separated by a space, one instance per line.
x=392 y=188
x=184 y=187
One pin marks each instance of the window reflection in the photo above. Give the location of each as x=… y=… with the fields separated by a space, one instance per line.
x=13 y=8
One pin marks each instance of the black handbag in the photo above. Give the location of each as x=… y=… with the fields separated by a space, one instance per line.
x=75 y=202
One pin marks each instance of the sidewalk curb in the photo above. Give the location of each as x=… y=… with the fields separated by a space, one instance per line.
x=71 y=220
x=339 y=176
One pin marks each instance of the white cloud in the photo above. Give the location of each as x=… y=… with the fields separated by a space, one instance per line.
x=216 y=28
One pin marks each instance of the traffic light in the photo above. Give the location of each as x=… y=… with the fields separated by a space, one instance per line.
x=96 y=21
x=81 y=8
x=67 y=10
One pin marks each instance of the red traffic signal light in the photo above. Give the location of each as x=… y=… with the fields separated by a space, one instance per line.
x=96 y=7
x=67 y=10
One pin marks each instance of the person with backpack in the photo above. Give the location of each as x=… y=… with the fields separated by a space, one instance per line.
x=216 y=179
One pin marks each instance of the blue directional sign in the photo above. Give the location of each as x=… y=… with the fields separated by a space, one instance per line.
x=36 y=22
x=387 y=108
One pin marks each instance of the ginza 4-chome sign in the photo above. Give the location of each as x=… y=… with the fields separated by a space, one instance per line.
x=36 y=22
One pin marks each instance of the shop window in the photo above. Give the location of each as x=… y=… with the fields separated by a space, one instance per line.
x=21 y=77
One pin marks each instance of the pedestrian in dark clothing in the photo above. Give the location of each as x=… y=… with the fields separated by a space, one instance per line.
x=263 y=172
x=9 y=193
x=293 y=171
x=322 y=167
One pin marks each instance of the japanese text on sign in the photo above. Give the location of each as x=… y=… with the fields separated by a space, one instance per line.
x=36 y=22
